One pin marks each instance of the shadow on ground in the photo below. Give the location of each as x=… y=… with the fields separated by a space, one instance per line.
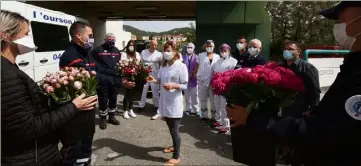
x=207 y=139
x=125 y=149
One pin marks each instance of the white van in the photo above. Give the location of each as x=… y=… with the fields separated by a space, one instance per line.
x=50 y=33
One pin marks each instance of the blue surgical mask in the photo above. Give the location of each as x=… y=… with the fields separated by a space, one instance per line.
x=288 y=55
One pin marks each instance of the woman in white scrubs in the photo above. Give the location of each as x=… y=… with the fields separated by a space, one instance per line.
x=173 y=79
x=225 y=63
x=205 y=62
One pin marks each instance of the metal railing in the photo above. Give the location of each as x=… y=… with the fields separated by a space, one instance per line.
x=316 y=51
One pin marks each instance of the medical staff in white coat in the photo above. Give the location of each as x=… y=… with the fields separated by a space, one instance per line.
x=205 y=62
x=173 y=78
x=225 y=63
x=153 y=58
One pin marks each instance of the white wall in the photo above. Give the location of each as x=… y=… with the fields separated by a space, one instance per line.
x=101 y=28
x=122 y=37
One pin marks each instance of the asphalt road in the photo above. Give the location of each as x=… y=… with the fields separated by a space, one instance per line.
x=140 y=141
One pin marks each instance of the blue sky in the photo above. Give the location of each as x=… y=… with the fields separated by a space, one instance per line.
x=158 y=26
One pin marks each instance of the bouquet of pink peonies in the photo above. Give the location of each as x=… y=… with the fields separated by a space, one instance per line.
x=68 y=83
x=259 y=84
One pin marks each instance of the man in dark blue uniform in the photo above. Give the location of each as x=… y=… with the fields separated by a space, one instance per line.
x=241 y=53
x=330 y=135
x=107 y=56
x=77 y=136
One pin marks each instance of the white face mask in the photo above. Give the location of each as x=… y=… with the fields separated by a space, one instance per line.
x=252 y=51
x=131 y=48
x=25 y=45
x=224 y=55
x=168 y=56
x=240 y=46
x=209 y=49
x=190 y=50
x=339 y=31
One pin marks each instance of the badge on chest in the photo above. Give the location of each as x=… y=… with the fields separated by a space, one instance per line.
x=353 y=107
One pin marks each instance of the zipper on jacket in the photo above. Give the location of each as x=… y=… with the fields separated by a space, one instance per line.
x=36 y=151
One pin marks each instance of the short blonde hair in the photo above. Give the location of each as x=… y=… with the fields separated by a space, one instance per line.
x=10 y=25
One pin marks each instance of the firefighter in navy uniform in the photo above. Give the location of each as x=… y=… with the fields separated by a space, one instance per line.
x=330 y=135
x=77 y=136
x=107 y=56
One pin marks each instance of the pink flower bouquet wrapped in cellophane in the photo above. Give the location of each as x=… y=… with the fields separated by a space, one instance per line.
x=270 y=82
x=69 y=83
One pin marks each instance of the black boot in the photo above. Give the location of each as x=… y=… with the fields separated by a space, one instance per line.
x=112 y=119
x=103 y=122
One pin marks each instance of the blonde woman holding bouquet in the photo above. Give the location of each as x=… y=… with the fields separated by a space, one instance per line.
x=173 y=79
x=26 y=118
x=129 y=55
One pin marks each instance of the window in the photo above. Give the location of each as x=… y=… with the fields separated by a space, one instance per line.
x=49 y=37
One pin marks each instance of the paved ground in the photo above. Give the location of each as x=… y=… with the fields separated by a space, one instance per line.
x=140 y=141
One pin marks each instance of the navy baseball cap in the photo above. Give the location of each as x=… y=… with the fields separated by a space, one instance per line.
x=335 y=11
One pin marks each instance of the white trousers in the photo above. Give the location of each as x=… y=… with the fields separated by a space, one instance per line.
x=221 y=113
x=155 y=91
x=192 y=100
x=205 y=93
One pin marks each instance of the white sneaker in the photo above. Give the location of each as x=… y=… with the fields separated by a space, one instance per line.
x=126 y=115
x=155 y=117
x=132 y=114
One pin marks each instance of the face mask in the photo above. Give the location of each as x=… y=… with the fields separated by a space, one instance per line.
x=209 y=49
x=190 y=50
x=110 y=43
x=339 y=31
x=240 y=46
x=224 y=55
x=25 y=45
x=288 y=55
x=89 y=44
x=252 y=51
x=168 y=56
x=131 y=48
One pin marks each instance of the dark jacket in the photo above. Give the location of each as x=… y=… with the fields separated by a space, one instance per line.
x=330 y=136
x=240 y=57
x=252 y=144
x=246 y=60
x=28 y=126
x=83 y=125
x=106 y=59
x=307 y=100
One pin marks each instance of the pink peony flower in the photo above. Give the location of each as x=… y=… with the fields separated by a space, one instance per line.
x=71 y=78
x=45 y=86
x=48 y=74
x=54 y=81
x=79 y=75
x=77 y=85
x=49 y=89
x=93 y=73
x=271 y=65
x=57 y=85
x=65 y=82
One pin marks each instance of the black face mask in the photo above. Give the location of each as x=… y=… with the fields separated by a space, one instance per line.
x=110 y=43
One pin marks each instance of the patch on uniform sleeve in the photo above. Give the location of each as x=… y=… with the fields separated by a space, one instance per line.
x=353 y=107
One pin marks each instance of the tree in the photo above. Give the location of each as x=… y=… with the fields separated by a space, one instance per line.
x=299 y=21
x=191 y=35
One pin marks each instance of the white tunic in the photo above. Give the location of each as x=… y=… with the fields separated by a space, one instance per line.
x=171 y=102
x=153 y=59
x=223 y=65
x=205 y=70
x=125 y=57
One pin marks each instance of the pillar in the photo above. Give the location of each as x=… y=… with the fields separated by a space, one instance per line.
x=225 y=21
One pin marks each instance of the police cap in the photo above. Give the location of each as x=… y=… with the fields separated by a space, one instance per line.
x=335 y=11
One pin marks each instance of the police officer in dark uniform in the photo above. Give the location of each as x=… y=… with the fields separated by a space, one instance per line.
x=106 y=56
x=330 y=135
x=77 y=136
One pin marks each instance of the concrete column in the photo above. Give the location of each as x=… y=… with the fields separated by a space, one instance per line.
x=225 y=21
